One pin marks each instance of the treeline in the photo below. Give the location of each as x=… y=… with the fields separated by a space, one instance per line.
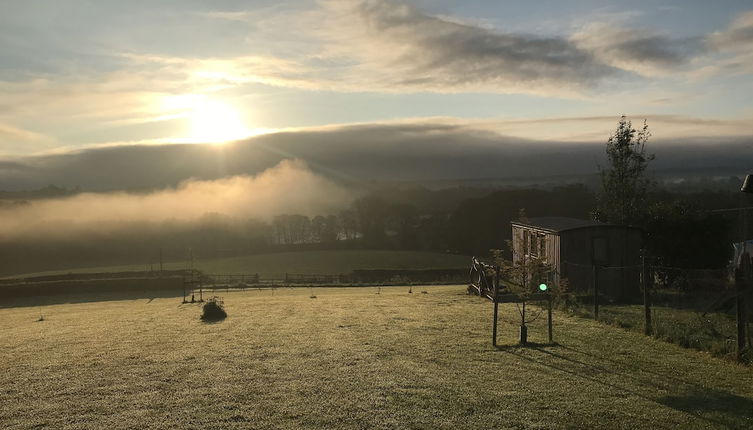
x=470 y=221
x=50 y=191
x=681 y=228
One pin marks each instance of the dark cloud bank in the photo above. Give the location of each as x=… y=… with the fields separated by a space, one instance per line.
x=360 y=154
x=445 y=53
x=415 y=50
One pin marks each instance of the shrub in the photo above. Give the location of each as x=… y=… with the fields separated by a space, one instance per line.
x=214 y=309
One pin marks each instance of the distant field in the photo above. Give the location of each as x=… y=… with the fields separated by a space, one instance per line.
x=309 y=262
x=349 y=358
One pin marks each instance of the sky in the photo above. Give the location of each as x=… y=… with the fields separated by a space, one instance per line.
x=83 y=75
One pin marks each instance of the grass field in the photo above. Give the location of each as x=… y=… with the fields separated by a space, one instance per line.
x=712 y=332
x=304 y=262
x=349 y=358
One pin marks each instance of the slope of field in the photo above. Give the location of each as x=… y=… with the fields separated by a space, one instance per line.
x=306 y=262
x=348 y=358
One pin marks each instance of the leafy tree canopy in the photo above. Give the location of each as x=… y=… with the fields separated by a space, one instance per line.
x=622 y=198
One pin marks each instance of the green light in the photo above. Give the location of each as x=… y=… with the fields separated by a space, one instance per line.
x=543 y=287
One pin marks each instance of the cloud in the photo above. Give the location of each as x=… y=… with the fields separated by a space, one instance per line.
x=110 y=80
x=289 y=187
x=14 y=139
x=8 y=132
x=734 y=49
x=397 y=47
x=738 y=35
x=420 y=150
x=638 y=50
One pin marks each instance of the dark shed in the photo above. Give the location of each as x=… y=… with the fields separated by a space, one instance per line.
x=582 y=251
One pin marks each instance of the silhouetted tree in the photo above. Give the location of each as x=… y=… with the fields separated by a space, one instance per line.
x=478 y=225
x=348 y=221
x=292 y=228
x=372 y=216
x=622 y=198
x=300 y=228
x=680 y=235
x=432 y=231
x=403 y=221
x=324 y=229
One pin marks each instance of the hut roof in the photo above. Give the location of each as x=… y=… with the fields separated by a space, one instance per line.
x=558 y=223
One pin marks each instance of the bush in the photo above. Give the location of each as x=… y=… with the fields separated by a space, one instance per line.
x=214 y=309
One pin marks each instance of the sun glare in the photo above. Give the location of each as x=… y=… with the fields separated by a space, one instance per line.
x=210 y=120
x=216 y=122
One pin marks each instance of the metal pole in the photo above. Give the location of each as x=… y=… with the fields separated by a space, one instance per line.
x=739 y=304
x=646 y=281
x=523 y=327
x=496 y=306
x=596 y=292
x=743 y=270
x=549 y=318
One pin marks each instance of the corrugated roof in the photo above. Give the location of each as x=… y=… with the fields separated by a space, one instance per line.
x=559 y=223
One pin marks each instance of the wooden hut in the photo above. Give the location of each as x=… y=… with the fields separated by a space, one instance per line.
x=583 y=252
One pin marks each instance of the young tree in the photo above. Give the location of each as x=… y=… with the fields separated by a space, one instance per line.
x=622 y=198
x=524 y=277
x=527 y=276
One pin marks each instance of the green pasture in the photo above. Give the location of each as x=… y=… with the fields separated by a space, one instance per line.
x=303 y=262
x=345 y=358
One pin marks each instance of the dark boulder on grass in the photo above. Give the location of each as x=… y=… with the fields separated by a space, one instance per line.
x=213 y=310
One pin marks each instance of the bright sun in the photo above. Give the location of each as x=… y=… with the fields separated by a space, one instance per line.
x=210 y=120
x=214 y=121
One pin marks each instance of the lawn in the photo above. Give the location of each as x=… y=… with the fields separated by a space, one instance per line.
x=303 y=262
x=713 y=332
x=348 y=358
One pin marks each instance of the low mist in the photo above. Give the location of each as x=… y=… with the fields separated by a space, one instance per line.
x=288 y=187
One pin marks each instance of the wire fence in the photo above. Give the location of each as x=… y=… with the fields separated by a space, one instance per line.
x=708 y=310
x=197 y=285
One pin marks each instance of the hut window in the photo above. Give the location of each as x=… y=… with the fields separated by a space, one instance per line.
x=534 y=244
x=542 y=246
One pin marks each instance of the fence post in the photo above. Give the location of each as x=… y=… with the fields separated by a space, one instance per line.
x=549 y=318
x=596 y=292
x=740 y=275
x=646 y=280
x=496 y=306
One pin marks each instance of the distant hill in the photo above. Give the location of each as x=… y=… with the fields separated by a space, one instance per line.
x=49 y=191
x=364 y=155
